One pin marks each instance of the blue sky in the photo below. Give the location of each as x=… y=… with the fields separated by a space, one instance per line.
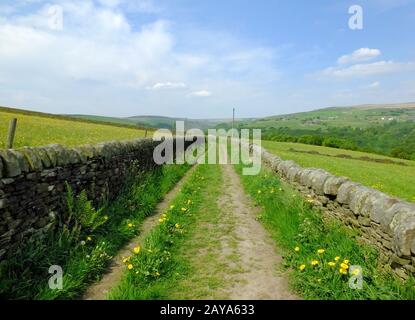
x=199 y=59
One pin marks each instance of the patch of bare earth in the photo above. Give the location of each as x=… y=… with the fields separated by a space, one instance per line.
x=249 y=247
x=100 y=289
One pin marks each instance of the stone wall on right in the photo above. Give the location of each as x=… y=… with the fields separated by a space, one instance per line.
x=383 y=221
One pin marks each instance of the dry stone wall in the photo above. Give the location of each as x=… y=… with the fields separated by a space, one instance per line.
x=33 y=181
x=384 y=221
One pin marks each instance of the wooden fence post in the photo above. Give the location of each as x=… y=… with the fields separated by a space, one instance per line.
x=10 y=134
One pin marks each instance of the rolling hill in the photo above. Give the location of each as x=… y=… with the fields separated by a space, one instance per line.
x=384 y=129
x=156 y=121
x=361 y=116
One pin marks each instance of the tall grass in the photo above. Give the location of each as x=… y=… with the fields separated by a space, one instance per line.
x=86 y=242
x=154 y=268
x=320 y=252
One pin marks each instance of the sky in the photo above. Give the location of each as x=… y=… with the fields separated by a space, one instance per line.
x=200 y=59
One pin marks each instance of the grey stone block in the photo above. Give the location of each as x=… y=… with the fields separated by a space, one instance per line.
x=358 y=196
x=35 y=162
x=376 y=205
x=46 y=161
x=23 y=163
x=344 y=192
x=403 y=228
x=53 y=156
x=11 y=164
x=332 y=185
x=293 y=173
x=318 y=179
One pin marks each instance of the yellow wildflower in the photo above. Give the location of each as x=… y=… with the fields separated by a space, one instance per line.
x=331 y=264
x=344 y=266
x=177 y=226
x=137 y=249
x=130 y=266
x=296 y=249
x=184 y=209
x=321 y=251
x=302 y=267
x=343 y=271
x=157 y=274
x=172 y=206
x=314 y=262
x=189 y=202
x=337 y=258
x=88 y=238
x=130 y=225
x=346 y=261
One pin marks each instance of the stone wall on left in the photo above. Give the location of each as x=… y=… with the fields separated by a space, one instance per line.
x=33 y=182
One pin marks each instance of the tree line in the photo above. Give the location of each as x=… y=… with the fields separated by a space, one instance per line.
x=395 y=139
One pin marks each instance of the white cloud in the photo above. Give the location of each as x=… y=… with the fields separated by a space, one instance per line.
x=200 y=94
x=368 y=69
x=106 y=59
x=167 y=85
x=359 y=55
x=374 y=85
x=106 y=50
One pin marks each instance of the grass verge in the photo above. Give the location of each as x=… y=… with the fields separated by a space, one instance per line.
x=320 y=252
x=170 y=264
x=87 y=241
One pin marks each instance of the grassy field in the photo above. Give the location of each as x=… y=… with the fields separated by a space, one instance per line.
x=396 y=178
x=38 y=129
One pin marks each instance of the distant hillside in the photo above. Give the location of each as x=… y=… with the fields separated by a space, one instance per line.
x=156 y=121
x=404 y=105
x=112 y=120
x=382 y=129
x=361 y=116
